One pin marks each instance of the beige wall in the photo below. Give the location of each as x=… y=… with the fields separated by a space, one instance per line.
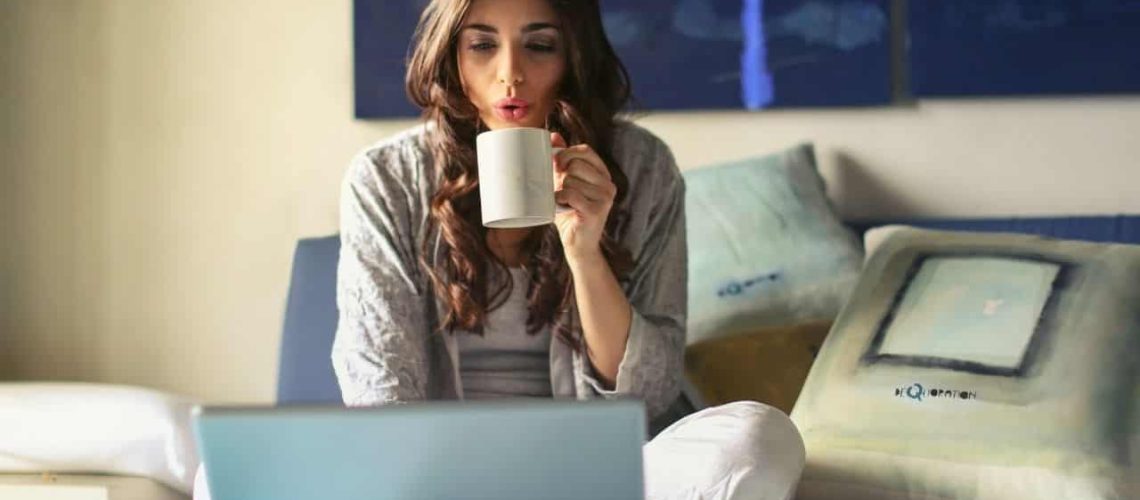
x=161 y=157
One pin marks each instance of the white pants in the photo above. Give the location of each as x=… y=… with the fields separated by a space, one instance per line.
x=737 y=451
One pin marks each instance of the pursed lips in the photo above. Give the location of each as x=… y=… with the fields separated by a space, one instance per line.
x=512 y=109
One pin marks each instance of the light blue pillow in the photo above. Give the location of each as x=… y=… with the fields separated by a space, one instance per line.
x=765 y=246
x=973 y=365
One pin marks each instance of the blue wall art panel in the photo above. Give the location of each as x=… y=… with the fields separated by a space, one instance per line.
x=686 y=54
x=1011 y=47
x=382 y=30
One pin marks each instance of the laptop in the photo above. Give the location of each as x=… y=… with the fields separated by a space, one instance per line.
x=500 y=450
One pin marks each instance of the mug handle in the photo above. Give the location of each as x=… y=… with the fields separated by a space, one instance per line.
x=558 y=207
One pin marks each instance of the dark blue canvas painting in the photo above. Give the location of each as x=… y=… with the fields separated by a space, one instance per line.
x=1011 y=47
x=686 y=54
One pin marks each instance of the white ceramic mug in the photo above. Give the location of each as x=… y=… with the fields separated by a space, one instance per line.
x=516 y=177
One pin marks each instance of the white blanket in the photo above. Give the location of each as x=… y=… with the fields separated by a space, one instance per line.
x=68 y=427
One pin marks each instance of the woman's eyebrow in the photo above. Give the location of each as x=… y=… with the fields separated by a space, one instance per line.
x=480 y=27
x=532 y=27
x=538 y=27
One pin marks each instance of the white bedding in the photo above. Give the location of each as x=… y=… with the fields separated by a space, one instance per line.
x=83 y=487
x=95 y=428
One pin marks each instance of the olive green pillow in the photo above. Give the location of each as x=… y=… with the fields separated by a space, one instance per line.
x=768 y=365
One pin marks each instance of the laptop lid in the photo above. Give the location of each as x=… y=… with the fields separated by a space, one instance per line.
x=437 y=450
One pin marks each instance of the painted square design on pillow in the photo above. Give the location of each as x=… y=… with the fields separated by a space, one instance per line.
x=979 y=313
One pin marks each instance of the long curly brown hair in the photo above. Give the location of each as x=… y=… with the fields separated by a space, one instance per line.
x=595 y=88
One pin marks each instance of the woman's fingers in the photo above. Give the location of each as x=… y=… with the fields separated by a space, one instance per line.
x=583 y=152
x=592 y=192
x=579 y=170
x=556 y=140
x=576 y=200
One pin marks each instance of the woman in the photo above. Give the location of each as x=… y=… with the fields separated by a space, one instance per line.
x=592 y=306
x=433 y=305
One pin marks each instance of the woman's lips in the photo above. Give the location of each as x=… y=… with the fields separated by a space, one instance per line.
x=512 y=109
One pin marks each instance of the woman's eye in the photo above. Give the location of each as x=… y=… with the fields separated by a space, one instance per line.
x=541 y=47
x=482 y=46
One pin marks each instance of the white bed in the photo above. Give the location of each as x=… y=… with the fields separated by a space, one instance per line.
x=84 y=487
x=73 y=441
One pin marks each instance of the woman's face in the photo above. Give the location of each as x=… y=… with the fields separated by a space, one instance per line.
x=511 y=57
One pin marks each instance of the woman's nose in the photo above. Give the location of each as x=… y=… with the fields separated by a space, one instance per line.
x=510 y=67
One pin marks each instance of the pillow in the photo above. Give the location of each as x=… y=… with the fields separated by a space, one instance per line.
x=66 y=427
x=876 y=236
x=971 y=365
x=768 y=365
x=765 y=246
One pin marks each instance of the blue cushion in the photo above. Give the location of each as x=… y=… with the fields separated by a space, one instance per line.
x=306 y=375
x=765 y=246
x=1105 y=229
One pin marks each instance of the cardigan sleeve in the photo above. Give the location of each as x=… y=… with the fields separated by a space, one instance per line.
x=652 y=365
x=380 y=353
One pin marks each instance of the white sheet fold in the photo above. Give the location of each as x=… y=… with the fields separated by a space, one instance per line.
x=79 y=427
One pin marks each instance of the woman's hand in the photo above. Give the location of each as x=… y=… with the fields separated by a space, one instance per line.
x=582 y=182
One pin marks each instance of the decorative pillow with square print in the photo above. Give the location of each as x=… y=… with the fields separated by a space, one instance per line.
x=970 y=365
